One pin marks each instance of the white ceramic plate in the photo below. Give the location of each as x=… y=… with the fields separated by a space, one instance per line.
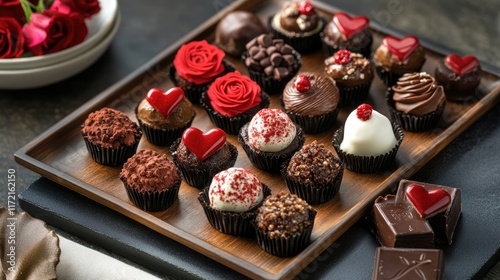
x=46 y=75
x=99 y=27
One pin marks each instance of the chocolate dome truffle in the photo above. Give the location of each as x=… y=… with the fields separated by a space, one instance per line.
x=459 y=76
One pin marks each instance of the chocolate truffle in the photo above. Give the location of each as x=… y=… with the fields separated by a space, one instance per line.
x=459 y=76
x=406 y=263
x=236 y=29
x=350 y=33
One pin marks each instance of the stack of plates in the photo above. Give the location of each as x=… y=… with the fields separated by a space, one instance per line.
x=37 y=71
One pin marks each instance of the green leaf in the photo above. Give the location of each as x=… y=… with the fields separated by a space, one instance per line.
x=27 y=9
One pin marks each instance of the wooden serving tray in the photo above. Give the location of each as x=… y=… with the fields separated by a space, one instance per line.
x=60 y=155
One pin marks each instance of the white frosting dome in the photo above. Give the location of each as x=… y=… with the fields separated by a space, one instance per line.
x=368 y=138
x=271 y=130
x=235 y=190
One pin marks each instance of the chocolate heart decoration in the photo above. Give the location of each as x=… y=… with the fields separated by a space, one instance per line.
x=203 y=145
x=461 y=65
x=427 y=203
x=401 y=48
x=165 y=102
x=350 y=26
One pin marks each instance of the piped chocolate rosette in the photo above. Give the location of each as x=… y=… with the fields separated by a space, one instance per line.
x=271 y=62
x=416 y=101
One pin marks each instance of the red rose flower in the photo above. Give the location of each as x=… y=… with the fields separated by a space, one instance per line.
x=13 y=9
x=87 y=8
x=51 y=32
x=233 y=94
x=11 y=38
x=199 y=62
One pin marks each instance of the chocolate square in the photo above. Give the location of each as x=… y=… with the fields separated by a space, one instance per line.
x=443 y=223
x=399 y=225
x=408 y=263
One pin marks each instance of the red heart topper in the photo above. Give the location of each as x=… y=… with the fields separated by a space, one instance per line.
x=461 y=65
x=165 y=102
x=350 y=25
x=401 y=48
x=427 y=203
x=203 y=145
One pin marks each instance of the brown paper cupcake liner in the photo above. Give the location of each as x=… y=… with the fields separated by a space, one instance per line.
x=315 y=124
x=270 y=84
x=285 y=246
x=390 y=78
x=302 y=44
x=367 y=164
x=111 y=156
x=162 y=137
x=153 y=201
x=232 y=125
x=232 y=223
x=195 y=176
x=413 y=123
x=313 y=194
x=330 y=49
x=354 y=95
x=270 y=161
x=193 y=93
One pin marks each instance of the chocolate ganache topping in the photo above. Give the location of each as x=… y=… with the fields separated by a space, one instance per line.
x=418 y=94
x=320 y=98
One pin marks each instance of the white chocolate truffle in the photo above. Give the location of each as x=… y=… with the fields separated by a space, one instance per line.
x=271 y=130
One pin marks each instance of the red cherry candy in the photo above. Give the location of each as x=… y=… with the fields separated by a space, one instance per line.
x=203 y=145
x=427 y=202
x=306 y=8
x=364 y=112
x=342 y=57
x=401 y=48
x=461 y=65
x=302 y=83
x=350 y=25
x=165 y=102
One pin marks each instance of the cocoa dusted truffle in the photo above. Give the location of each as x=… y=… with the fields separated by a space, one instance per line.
x=236 y=29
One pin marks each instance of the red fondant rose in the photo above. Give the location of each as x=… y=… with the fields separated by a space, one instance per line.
x=199 y=62
x=87 y=8
x=11 y=38
x=52 y=31
x=233 y=94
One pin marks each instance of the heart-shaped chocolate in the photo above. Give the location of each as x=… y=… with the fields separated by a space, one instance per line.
x=401 y=48
x=203 y=145
x=350 y=25
x=427 y=203
x=165 y=102
x=461 y=65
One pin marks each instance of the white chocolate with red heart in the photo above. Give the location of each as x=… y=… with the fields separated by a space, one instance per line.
x=271 y=130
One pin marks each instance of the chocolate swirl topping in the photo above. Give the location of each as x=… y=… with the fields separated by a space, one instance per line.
x=418 y=94
x=321 y=98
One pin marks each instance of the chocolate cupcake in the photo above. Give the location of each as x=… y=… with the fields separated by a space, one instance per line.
x=368 y=142
x=151 y=180
x=199 y=156
x=196 y=65
x=459 y=76
x=236 y=29
x=110 y=136
x=284 y=224
x=270 y=139
x=232 y=100
x=232 y=200
x=311 y=100
x=298 y=24
x=271 y=62
x=314 y=173
x=163 y=116
x=416 y=102
x=349 y=33
x=353 y=75
x=395 y=57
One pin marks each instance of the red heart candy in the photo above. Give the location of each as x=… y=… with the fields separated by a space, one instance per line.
x=350 y=26
x=461 y=65
x=165 y=102
x=203 y=145
x=427 y=203
x=401 y=48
